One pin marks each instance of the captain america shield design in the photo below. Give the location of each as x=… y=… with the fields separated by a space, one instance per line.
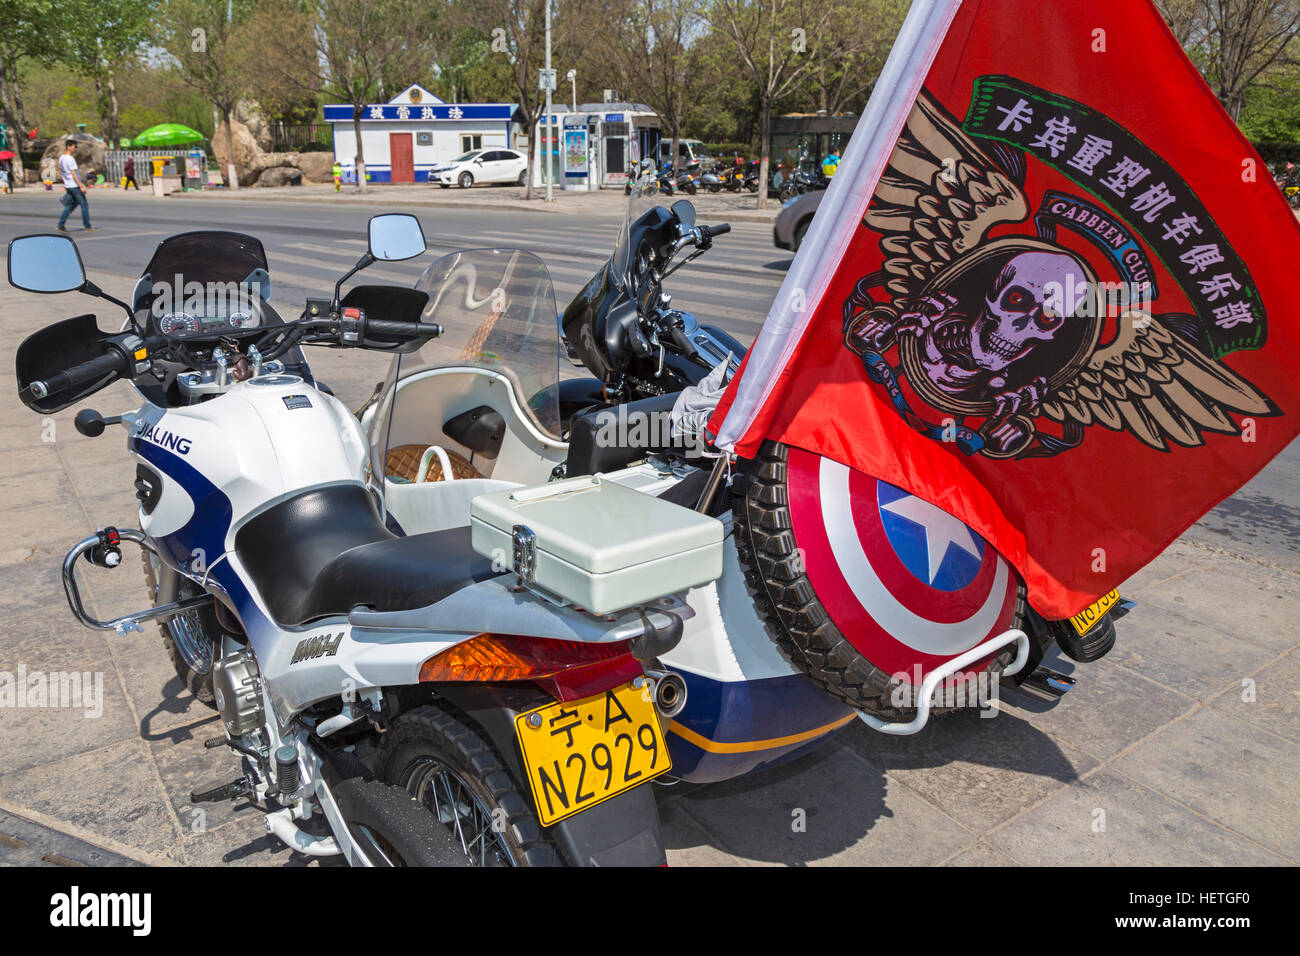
x=906 y=583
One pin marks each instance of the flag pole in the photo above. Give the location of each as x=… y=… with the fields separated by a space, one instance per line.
x=841 y=210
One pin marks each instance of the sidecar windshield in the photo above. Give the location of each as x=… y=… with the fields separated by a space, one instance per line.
x=497 y=310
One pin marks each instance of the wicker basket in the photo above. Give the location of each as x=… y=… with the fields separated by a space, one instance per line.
x=404 y=460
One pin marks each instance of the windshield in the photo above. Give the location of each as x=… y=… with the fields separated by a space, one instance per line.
x=207 y=257
x=465 y=158
x=209 y=263
x=497 y=310
x=643 y=199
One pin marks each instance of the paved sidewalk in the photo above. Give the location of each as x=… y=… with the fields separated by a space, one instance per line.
x=1183 y=746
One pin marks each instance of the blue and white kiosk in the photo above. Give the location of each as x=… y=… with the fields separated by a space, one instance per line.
x=413 y=132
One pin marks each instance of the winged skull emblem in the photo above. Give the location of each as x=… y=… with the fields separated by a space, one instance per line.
x=1008 y=328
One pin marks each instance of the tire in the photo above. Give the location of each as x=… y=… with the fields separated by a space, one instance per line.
x=391 y=827
x=788 y=605
x=752 y=187
x=185 y=634
x=787 y=192
x=715 y=187
x=800 y=231
x=430 y=752
x=465 y=180
x=444 y=185
x=523 y=178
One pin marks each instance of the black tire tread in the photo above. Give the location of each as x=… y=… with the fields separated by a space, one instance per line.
x=784 y=596
x=433 y=725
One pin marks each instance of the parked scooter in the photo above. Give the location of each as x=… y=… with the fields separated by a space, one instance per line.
x=399 y=700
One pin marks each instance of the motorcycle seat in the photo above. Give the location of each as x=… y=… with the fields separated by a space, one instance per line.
x=327 y=551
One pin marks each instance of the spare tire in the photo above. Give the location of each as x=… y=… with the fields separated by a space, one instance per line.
x=857 y=583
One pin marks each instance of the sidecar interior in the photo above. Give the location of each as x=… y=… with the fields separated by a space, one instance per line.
x=454 y=434
x=327 y=551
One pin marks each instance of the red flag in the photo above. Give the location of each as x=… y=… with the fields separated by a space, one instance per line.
x=1050 y=289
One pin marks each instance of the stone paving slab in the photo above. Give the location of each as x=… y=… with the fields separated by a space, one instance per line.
x=1185 y=738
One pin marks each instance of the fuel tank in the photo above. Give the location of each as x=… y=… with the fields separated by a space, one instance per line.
x=202 y=470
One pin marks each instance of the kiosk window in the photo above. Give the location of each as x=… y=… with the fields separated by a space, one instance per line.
x=468 y=142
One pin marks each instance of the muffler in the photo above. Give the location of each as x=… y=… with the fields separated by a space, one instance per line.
x=669 y=692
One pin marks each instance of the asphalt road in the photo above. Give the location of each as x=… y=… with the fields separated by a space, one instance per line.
x=309 y=246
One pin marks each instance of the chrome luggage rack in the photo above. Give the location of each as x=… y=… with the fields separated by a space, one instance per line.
x=128 y=622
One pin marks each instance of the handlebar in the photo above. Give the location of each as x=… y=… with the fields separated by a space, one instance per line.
x=721 y=229
x=391 y=327
x=112 y=362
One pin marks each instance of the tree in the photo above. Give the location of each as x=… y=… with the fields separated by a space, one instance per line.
x=648 y=44
x=1237 y=44
x=852 y=52
x=201 y=36
x=351 y=51
x=773 y=38
x=98 y=41
x=24 y=34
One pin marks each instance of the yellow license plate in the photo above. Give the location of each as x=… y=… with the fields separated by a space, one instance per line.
x=583 y=752
x=1083 y=621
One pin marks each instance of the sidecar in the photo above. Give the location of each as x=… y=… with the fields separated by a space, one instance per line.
x=821 y=566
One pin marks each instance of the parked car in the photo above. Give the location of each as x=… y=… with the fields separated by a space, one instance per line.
x=482 y=166
x=793 y=221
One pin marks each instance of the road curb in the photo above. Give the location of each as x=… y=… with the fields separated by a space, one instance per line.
x=108 y=844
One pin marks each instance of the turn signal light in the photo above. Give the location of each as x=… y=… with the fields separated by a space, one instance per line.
x=568 y=670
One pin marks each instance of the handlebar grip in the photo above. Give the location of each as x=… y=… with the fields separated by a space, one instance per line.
x=684 y=345
x=110 y=363
x=409 y=329
x=721 y=229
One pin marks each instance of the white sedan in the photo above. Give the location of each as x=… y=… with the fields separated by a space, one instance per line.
x=482 y=166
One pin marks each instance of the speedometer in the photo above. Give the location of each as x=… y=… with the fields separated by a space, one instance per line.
x=178 y=323
x=242 y=319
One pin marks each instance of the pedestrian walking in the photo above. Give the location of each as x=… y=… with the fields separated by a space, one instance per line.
x=128 y=171
x=338 y=176
x=74 y=190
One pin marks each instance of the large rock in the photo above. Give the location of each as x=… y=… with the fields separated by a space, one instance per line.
x=250 y=114
x=247 y=152
x=280 y=176
x=317 y=167
x=90 y=155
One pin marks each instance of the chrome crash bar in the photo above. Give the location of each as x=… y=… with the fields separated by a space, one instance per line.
x=945 y=670
x=128 y=622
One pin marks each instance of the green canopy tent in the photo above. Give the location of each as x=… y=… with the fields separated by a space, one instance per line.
x=167 y=134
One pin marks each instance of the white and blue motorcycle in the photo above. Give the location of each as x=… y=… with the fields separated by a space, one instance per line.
x=400 y=699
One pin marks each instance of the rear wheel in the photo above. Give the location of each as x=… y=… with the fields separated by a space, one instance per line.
x=523 y=178
x=465 y=180
x=192 y=638
x=390 y=827
x=774 y=568
x=455 y=774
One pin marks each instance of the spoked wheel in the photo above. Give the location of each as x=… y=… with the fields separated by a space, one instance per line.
x=458 y=778
x=191 y=638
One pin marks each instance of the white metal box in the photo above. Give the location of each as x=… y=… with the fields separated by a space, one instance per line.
x=597 y=544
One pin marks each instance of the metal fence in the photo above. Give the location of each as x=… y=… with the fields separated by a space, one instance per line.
x=302 y=137
x=115 y=159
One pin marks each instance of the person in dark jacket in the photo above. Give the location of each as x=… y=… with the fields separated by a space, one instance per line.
x=129 y=172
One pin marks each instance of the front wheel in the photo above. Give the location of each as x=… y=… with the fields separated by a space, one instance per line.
x=787 y=192
x=523 y=178
x=192 y=638
x=458 y=777
x=465 y=180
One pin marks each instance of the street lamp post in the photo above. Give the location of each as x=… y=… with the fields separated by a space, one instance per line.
x=548 y=167
x=572 y=77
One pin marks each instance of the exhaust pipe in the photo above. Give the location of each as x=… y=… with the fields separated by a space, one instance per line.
x=669 y=692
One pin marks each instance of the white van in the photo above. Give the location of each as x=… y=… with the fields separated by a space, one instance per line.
x=688 y=151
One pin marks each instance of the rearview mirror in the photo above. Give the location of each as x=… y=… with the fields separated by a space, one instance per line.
x=684 y=210
x=45 y=264
x=396 y=236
